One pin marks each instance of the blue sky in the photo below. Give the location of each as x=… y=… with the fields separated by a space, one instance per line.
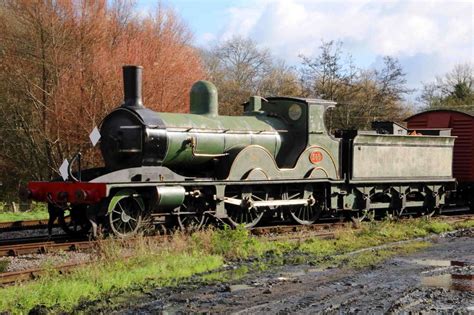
x=428 y=37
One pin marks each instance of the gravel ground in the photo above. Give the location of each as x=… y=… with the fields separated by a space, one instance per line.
x=30 y=233
x=438 y=279
x=33 y=261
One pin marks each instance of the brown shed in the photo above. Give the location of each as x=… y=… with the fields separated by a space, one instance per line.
x=462 y=127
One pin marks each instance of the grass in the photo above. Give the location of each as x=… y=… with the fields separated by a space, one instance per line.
x=111 y=274
x=4 y=265
x=374 y=234
x=166 y=263
x=39 y=211
x=376 y=256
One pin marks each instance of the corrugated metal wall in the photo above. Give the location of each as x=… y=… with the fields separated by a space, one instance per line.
x=462 y=127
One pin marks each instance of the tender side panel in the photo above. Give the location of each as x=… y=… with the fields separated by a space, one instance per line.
x=402 y=157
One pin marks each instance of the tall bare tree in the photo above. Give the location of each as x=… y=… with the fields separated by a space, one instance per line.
x=240 y=69
x=60 y=72
x=364 y=95
x=453 y=90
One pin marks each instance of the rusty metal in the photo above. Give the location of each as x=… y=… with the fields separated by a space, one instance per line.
x=324 y=229
x=31 y=274
x=27 y=224
x=41 y=247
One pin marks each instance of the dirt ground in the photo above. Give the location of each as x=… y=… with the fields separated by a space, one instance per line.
x=439 y=279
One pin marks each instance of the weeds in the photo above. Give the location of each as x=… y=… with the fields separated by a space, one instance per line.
x=376 y=256
x=236 y=243
x=147 y=263
x=4 y=265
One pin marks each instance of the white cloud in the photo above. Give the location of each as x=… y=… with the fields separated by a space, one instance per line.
x=442 y=30
x=207 y=38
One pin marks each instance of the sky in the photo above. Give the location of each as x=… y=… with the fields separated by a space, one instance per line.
x=428 y=37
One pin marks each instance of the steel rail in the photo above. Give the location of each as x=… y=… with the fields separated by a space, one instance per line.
x=27 y=225
x=38 y=245
x=34 y=273
x=44 y=247
x=317 y=227
x=320 y=230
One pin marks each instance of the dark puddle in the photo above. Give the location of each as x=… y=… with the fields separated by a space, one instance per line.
x=452 y=281
x=440 y=263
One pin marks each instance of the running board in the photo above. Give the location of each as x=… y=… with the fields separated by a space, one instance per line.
x=269 y=203
x=455 y=209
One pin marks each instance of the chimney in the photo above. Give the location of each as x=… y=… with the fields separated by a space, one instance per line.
x=132 y=86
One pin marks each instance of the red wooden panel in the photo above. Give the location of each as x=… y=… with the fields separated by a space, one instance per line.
x=462 y=126
x=438 y=121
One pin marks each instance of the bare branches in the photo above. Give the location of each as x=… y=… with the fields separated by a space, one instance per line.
x=240 y=69
x=453 y=90
x=60 y=65
x=363 y=95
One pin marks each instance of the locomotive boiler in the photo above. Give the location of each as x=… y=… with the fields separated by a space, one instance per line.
x=276 y=161
x=135 y=136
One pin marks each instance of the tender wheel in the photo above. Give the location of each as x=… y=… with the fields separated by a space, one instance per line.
x=125 y=213
x=246 y=213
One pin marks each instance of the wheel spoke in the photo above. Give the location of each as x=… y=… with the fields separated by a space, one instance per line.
x=120 y=206
x=303 y=214
x=248 y=216
x=126 y=215
x=195 y=220
x=293 y=196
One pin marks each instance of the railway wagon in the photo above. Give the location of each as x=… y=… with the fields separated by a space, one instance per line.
x=458 y=124
x=276 y=161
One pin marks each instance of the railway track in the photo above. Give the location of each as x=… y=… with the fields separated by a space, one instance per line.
x=39 y=245
x=42 y=247
x=36 y=245
x=26 y=225
x=322 y=230
x=31 y=274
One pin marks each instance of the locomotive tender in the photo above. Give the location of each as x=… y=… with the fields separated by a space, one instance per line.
x=277 y=160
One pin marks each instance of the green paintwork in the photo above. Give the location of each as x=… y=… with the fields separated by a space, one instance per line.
x=203 y=99
x=254 y=104
x=170 y=197
x=402 y=157
x=216 y=135
x=122 y=194
x=317 y=132
x=257 y=158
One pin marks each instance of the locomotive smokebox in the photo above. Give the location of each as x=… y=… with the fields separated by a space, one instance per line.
x=132 y=86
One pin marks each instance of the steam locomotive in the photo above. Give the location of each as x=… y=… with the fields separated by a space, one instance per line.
x=275 y=161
